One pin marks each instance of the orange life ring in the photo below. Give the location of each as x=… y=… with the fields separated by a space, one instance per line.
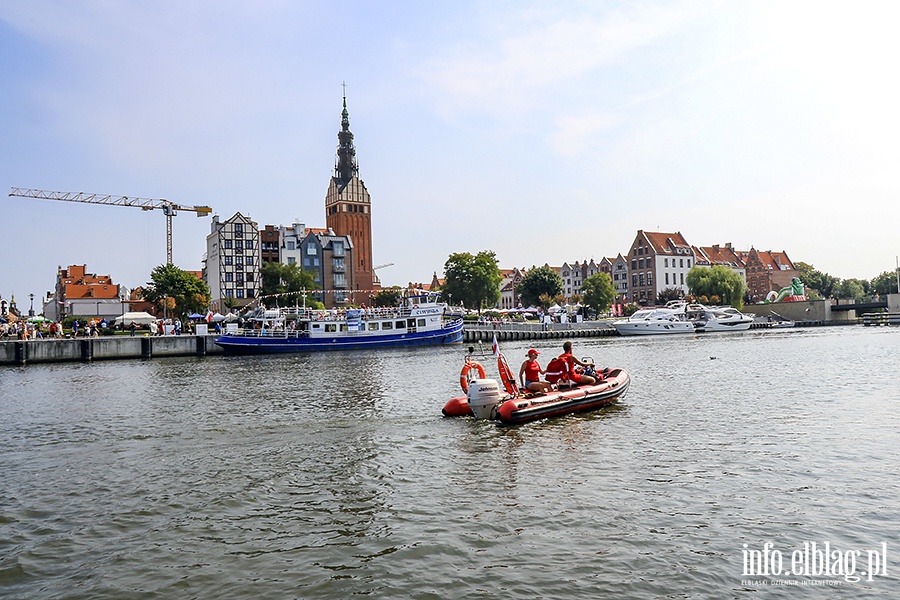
x=506 y=376
x=464 y=374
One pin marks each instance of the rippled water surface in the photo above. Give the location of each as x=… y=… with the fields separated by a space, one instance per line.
x=333 y=475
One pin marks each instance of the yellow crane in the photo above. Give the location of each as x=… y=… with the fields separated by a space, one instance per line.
x=169 y=208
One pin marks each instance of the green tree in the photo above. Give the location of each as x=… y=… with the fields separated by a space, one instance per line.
x=599 y=292
x=852 y=288
x=280 y=278
x=823 y=283
x=670 y=293
x=542 y=280
x=884 y=284
x=178 y=291
x=719 y=281
x=388 y=297
x=471 y=280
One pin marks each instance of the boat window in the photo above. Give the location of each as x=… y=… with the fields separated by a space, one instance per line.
x=373 y=326
x=387 y=325
x=330 y=327
x=421 y=322
x=343 y=327
x=401 y=324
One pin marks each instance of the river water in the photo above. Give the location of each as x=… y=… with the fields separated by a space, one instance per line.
x=334 y=476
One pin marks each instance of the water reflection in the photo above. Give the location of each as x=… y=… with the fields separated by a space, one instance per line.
x=331 y=475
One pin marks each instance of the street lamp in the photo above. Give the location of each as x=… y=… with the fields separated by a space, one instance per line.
x=122 y=297
x=31 y=310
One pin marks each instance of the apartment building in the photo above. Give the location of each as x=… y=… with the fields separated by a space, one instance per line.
x=231 y=266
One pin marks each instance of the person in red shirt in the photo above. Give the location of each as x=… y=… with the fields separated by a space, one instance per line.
x=530 y=374
x=571 y=361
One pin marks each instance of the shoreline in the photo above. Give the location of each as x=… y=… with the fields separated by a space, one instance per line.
x=39 y=351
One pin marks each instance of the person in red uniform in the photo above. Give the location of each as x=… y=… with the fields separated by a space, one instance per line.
x=574 y=376
x=530 y=374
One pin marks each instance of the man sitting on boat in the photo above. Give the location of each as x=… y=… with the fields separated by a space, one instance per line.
x=574 y=376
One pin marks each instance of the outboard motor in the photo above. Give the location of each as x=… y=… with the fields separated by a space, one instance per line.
x=484 y=397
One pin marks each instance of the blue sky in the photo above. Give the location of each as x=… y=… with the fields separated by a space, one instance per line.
x=546 y=132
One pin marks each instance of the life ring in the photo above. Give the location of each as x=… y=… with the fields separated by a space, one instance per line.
x=464 y=374
x=506 y=376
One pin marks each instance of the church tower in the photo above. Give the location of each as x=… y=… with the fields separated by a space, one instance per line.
x=348 y=210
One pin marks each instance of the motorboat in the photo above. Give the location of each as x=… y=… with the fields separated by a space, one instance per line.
x=503 y=401
x=418 y=321
x=714 y=319
x=654 y=321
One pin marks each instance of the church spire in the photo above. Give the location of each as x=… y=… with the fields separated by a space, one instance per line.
x=345 y=167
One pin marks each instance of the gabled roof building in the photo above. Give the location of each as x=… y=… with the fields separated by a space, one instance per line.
x=658 y=261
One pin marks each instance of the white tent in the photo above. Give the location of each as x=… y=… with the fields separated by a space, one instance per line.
x=139 y=318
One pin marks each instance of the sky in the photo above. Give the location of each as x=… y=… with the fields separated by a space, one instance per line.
x=544 y=132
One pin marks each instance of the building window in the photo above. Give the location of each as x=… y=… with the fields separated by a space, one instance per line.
x=291 y=260
x=229 y=277
x=337 y=248
x=667 y=279
x=239 y=260
x=248 y=261
x=649 y=277
x=239 y=292
x=290 y=245
x=311 y=250
x=228 y=260
x=228 y=244
x=248 y=244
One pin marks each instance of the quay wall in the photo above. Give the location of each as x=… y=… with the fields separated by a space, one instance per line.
x=17 y=352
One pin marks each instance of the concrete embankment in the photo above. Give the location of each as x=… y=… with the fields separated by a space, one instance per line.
x=503 y=335
x=17 y=352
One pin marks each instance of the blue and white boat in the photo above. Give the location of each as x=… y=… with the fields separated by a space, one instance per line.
x=418 y=321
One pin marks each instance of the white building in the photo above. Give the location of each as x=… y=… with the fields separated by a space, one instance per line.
x=231 y=267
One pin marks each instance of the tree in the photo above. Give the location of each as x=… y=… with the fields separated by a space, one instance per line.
x=852 y=288
x=388 y=297
x=717 y=280
x=471 y=280
x=178 y=291
x=599 y=292
x=823 y=283
x=542 y=280
x=280 y=278
x=884 y=284
x=670 y=293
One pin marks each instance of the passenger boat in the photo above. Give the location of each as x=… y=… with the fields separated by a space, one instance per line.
x=418 y=321
x=485 y=399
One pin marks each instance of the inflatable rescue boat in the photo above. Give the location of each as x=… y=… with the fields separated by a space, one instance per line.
x=486 y=399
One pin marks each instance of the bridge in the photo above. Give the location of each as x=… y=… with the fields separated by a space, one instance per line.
x=861 y=307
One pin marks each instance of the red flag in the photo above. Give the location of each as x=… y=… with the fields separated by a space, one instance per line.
x=495 y=347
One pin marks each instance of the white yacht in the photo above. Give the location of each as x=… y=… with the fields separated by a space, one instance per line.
x=655 y=321
x=717 y=318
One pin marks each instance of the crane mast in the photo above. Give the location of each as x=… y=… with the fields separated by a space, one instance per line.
x=169 y=208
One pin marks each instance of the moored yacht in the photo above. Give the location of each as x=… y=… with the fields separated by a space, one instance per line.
x=654 y=321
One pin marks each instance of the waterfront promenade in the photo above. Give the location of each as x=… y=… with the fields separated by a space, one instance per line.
x=18 y=352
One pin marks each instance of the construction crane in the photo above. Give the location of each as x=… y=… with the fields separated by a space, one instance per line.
x=170 y=209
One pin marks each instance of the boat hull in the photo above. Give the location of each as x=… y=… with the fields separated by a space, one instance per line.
x=515 y=411
x=653 y=328
x=451 y=333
